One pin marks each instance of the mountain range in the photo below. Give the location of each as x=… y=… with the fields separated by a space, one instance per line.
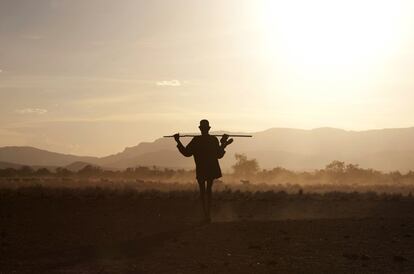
x=296 y=149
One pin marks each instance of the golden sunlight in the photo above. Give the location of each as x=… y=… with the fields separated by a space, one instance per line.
x=325 y=43
x=332 y=33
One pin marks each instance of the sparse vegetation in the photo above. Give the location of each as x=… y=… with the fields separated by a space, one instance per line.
x=245 y=170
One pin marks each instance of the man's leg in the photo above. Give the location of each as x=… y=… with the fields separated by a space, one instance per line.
x=209 y=197
x=202 y=186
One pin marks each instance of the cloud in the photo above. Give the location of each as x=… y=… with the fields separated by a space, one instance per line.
x=36 y=111
x=169 y=83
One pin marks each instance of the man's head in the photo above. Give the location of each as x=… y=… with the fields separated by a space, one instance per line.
x=204 y=126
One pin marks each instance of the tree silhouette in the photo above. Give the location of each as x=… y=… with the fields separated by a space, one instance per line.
x=42 y=172
x=90 y=170
x=26 y=171
x=336 y=167
x=245 y=168
x=63 y=172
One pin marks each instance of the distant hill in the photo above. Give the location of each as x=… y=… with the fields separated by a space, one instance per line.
x=383 y=149
x=38 y=157
x=4 y=165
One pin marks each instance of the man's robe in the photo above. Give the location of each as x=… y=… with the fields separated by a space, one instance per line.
x=206 y=151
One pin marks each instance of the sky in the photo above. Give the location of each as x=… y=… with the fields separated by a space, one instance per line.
x=91 y=77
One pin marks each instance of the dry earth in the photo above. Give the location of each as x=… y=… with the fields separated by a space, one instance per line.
x=144 y=234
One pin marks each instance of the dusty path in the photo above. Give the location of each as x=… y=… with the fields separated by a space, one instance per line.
x=290 y=246
x=300 y=246
x=122 y=234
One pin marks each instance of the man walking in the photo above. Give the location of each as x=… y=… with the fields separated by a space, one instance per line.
x=206 y=151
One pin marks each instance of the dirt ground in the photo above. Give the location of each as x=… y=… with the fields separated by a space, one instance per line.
x=148 y=234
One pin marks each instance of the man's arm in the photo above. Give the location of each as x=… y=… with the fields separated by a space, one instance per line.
x=224 y=142
x=220 y=152
x=186 y=151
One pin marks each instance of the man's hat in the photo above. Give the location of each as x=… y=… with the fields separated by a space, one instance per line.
x=204 y=124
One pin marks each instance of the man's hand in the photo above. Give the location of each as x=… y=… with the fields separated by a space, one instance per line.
x=228 y=142
x=177 y=137
x=225 y=141
x=224 y=138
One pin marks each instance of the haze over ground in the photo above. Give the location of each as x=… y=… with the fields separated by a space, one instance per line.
x=93 y=77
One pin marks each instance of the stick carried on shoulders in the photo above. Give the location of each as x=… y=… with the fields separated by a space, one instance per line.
x=218 y=135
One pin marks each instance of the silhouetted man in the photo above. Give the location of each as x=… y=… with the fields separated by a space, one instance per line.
x=206 y=151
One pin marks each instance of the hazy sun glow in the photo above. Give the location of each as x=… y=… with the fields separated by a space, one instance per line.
x=333 y=32
x=325 y=43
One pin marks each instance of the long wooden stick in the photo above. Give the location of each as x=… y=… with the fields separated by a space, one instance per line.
x=194 y=135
